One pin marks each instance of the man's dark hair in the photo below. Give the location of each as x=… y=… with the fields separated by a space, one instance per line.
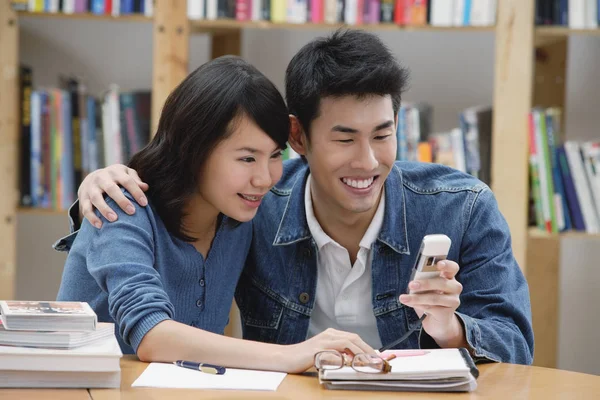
x=199 y=114
x=349 y=62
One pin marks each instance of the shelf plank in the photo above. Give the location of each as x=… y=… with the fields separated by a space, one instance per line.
x=87 y=16
x=41 y=211
x=564 y=31
x=223 y=25
x=539 y=234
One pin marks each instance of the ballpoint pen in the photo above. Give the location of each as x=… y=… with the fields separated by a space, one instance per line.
x=206 y=368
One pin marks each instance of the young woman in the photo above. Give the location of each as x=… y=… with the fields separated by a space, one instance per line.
x=166 y=274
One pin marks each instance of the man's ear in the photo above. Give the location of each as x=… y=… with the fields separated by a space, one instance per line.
x=298 y=140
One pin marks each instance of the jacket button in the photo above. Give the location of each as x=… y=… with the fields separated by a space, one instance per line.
x=304 y=297
x=307 y=252
x=199 y=303
x=382 y=249
x=202 y=283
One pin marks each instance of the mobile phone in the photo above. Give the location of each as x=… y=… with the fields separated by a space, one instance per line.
x=434 y=248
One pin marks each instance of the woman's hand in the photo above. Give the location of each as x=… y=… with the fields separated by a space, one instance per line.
x=107 y=180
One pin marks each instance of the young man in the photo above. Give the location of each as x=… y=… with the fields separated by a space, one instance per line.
x=335 y=240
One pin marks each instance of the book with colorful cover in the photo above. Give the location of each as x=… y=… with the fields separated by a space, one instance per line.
x=47 y=316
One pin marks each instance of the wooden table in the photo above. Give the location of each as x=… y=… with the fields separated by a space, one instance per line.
x=44 y=394
x=496 y=381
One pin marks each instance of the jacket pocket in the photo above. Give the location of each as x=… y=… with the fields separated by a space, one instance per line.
x=260 y=313
x=65 y=243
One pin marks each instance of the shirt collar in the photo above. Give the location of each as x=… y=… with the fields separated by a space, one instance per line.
x=319 y=235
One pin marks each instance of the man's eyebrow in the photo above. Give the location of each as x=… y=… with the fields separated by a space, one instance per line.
x=343 y=129
x=385 y=125
x=346 y=129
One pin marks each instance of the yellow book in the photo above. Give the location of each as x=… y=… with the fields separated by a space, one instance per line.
x=278 y=11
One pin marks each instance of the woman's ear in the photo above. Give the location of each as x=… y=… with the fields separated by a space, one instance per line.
x=298 y=140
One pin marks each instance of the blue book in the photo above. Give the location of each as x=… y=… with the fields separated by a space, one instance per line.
x=564 y=12
x=97 y=6
x=402 y=149
x=467 y=13
x=35 y=157
x=92 y=145
x=67 y=169
x=551 y=129
x=570 y=192
x=126 y=7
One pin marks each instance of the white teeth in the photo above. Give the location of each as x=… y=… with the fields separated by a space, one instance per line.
x=251 y=198
x=360 y=184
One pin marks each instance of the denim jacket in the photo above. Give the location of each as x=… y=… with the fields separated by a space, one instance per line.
x=276 y=292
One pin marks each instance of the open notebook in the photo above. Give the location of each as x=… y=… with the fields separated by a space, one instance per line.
x=436 y=370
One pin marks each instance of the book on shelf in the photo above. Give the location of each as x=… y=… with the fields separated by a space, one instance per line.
x=574 y=14
x=435 y=370
x=54 y=339
x=26 y=86
x=440 y=13
x=47 y=315
x=467 y=148
x=66 y=133
x=113 y=8
x=564 y=183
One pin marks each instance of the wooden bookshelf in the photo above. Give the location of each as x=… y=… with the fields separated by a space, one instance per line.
x=520 y=81
x=540 y=234
x=564 y=31
x=41 y=211
x=224 y=25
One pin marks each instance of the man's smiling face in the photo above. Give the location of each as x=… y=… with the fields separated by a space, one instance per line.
x=351 y=149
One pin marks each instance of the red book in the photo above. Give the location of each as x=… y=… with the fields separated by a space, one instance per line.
x=108 y=7
x=243 y=10
x=401 y=12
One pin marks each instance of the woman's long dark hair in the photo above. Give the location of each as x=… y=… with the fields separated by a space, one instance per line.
x=198 y=115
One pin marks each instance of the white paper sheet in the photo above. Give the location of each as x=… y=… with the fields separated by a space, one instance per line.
x=158 y=375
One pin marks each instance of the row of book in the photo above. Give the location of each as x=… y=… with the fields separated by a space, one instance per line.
x=67 y=133
x=56 y=344
x=466 y=148
x=352 y=12
x=565 y=177
x=576 y=14
x=98 y=7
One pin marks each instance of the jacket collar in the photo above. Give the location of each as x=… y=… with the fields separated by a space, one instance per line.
x=293 y=226
x=393 y=233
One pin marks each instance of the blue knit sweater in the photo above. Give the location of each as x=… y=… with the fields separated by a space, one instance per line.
x=134 y=273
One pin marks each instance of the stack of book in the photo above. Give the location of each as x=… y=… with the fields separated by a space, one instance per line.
x=434 y=370
x=56 y=344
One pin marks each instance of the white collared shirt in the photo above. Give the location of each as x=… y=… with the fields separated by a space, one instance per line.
x=343 y=299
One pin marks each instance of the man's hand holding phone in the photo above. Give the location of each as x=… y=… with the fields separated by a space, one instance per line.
x=435 y=291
